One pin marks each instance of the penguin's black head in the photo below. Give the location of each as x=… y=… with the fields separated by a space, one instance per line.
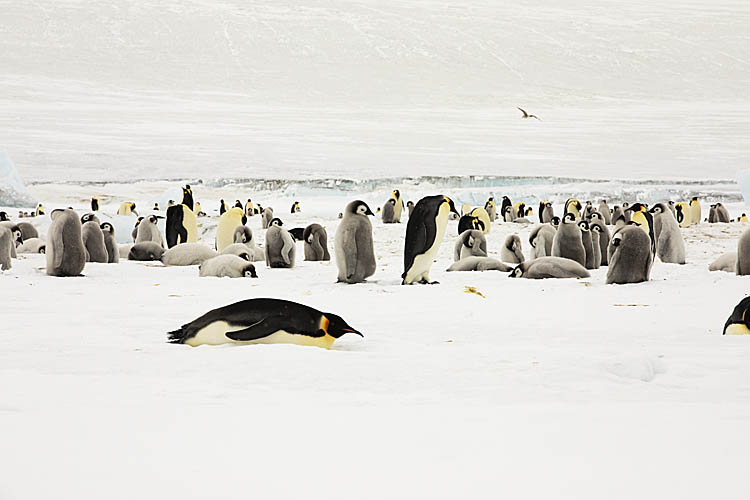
x=359 y=207
x=336 y=326
x=396 y=193
x=583 y=225
x=170 y=203
x=671 y=203
x=249 y=271
x=659 y=208
x=636 y=207
x=409 y=204
x=298 y=233
x=569 y=218
x=89 y=217
x=275 y=222
x=107 y=227
x=392 y=202
x=596 y=228
x=477 y=223
x=739 y=321
x=517 y=272
x=694 y=198
x=17 y=234
x=452 y=207
x=555 y=221
x=138 y=221
x=4 y=217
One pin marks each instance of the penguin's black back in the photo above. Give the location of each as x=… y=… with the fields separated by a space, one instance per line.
x=421 y=229
x=175 y=226
x=739 y=314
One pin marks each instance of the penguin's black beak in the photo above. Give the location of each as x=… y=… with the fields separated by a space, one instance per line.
x=369 y=212
x=352 y=330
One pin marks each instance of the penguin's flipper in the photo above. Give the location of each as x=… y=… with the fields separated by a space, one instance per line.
x=263 y=328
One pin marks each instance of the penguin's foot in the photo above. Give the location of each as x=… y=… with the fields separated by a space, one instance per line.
x=425 y=281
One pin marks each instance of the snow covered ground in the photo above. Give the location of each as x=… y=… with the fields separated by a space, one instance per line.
x=541 y=389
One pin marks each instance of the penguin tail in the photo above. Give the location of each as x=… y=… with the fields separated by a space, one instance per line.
x=178 y=336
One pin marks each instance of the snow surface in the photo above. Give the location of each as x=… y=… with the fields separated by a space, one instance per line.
x=541 y=389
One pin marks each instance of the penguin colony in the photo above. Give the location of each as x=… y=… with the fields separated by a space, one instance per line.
x=627 y=239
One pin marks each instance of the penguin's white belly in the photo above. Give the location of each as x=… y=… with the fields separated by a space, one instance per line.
x=215 y=334
x=420 y=268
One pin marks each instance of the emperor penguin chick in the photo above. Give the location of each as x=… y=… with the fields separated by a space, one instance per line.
x=355 y=255
x=93 y=239
x=6 y=242
x=188 y=254
x=606 y=212
x=593 y=259
x=743 y=254
x=670 y=246
x=267 y=217
x=66 y=255
x=227 y=266
x=511 y=251
x=546 y=213
x=113 y=253
x=630 y=256
x=727 y=263
x=603 y=235
x=388 y=213
x=148 y=231
x=279 y=247
x=541 y=239
x=316 y=243
x=549 y=267
x=474 y=263
x=470 y=243
x=568 y=242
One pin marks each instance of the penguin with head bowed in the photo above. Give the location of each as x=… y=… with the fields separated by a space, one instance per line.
x=110 y=245
x=280 y=247
x=223 y=208
x=4 y=217
x=549 y=267
x=739 y=321
x=469 y=222
x=643 y=219
x=573 y=206
x=263 y=321
x=353 y=245
x=593 y=258
x=148 y=230
x=670 y=246
x=682 y=214
x=599 y=230
x=388 y=213
x=424 y=234
x=296 y=208
x=470 y=243
x=743 y=254
x=6 y=243
x=726 y=262
x=66 y=255
x=16 y=236
x=238 y=204
x=478 y=263
x=93 y=239
x=28 y=231
x=227 y=266
x=146 y=250
x=491 y=209
x=244 y=235
x=695 y=210
x=630 y=256
x=188 y=254
x=228 y=222
x=483 y=216
x=511 y=251
x=398 y=206
x=127 y=208
x=267 y=217
x=181 y=225
x=568 y=241
x=198 y=212
x=540 y=239
x=605 y=211
x=238 y=249
x=410 y=206
x=722 y=214
x=249 y=208
x=316 y=243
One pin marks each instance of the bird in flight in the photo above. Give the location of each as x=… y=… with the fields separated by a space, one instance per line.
x=526 y=115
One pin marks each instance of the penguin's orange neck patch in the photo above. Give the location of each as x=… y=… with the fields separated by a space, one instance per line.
x=324 y=322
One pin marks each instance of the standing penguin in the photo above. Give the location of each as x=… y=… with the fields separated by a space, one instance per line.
x=398 y=207
x=673 y=211
x=511 y=251
x=296 y=208
x=644 y=220
x=182 y=225
x=568 y=242
x=113 y=253
x=223 y=208
x=591 y=261
x=630 y=256
x=682 y=214
x=547 y=213
x=388 y=214
x=187 y=196
x=670 y=246
x=541 y=239
x=249 y=209
x=93 y=239
x=244 y=235
x=743 y=254
x=573 y=206
x=424 y=234
x=410 y=206
x=355 y=255
x=148 y=231
x=227 y=224
x=596 y=230
x=604 y=237
x=470 y=243
x=267 y=217
x=588 y=209
x=94 y=204
x=238 y=204
x=468 y=222
x=279 y=246
x=695 y=210
x=316 y=243
x=66 y=255
x=722 y=214
x=605 y=211
x=6 y=243
x=198 y=212
x=508 y=214
x=491 y=209
x=505 y=204
x=156 y=207
x=126 y=209
x=519 y=210
x=617 y=214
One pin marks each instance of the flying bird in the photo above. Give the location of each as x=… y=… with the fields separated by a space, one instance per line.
x=526 y=115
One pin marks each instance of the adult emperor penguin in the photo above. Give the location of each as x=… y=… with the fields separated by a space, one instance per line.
x=267 y=217
x=519 y=210
x=743 y=254
x=398 y=207
x=593 y=259
x=644 y=220
x=683 y=214
x=630 y=256
x=223 y=208
x=295 y=208
x=549 y=267
x=605 y=211
x=148 y=230
x=238 y=204
x=198 y=212
x=506 y=203
x=182 y=225
x=263 y=321
x=743 y=218
x=695 y=210
x=113 y=253
x=568 y=242
x=94 y=204
x=483 y=216
x=39 y=210
x=511 y=251
x=227 y=266
x=470 y=243
x=156 y=207
x=249 y=208
x=424 y=234
x=126 y=209
x=228 y=222
x=355 y=255
x=739 y=321
x=573 y=206
x=469 y=222
x=187 y=196
x=670 y=247
x=6 y=243
x=66 y=255
x=491 y=209
x=388 y=214
x=93 y=239
x=541 y=239
x=316 y=243
x=280 y=247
